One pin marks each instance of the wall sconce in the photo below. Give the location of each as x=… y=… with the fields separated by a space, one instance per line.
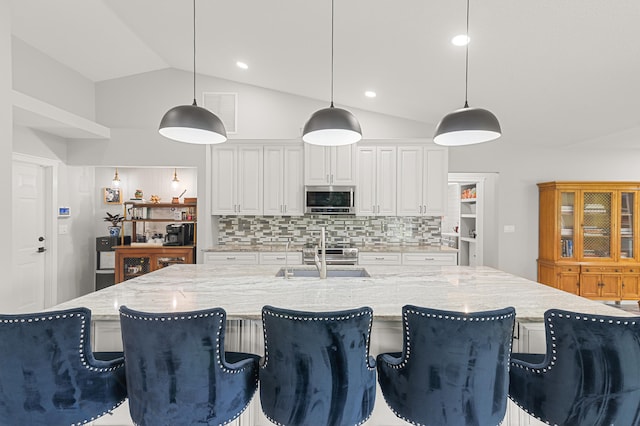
x=175 y=181
x=116 y=179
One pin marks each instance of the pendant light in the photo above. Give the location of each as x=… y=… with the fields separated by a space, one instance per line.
x=175 y=181
x=191 y=123
x=116 y=179
x=332 y=126
x=467 y=126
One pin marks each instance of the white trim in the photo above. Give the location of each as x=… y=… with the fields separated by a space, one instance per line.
x=51 y=222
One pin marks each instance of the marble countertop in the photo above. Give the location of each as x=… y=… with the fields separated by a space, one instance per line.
x=363 y=248
x=243 y=290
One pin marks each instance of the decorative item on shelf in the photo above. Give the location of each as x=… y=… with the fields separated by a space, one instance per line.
x=191 y=123
x=467 y=125
x=112 y=196
x=332 y=126
x=154 y=199
x=115 y=219
x=176 y=200
x=138 y=194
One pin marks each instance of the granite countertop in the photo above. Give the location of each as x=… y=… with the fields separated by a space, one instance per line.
x=363 y=248
x=243 y=290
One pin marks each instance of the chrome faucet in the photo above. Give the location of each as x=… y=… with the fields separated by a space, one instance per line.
x=321 y=262
x=287 y=273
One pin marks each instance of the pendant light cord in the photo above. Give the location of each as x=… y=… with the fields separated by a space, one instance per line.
x=194 y=53
x=332 y=53
x=466 y=65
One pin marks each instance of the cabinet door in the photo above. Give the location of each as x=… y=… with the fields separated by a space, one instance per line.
x=627 y=238
x=597 y=225
x=293 y=193
x=610 y=286
x=223 y=188
x=250 y=170
x=567 y=224
x=317 y=165
x=366 y=193
x=590 y=285
x=409 y=181
x=630 y=289
x=434 y=196
x=569 y=282
x=273 y=181
x=386 y=186
x=343 y=164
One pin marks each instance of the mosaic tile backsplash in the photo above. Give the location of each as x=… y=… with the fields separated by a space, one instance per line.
x=356 y=230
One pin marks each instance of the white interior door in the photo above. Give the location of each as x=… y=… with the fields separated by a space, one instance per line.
x=27 y=288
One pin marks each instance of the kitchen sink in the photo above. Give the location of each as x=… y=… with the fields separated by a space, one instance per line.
x=331 y=273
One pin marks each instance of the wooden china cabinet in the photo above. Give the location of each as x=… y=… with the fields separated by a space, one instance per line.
x=588 y=238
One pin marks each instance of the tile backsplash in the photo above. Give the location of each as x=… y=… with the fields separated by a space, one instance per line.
x=357 y=230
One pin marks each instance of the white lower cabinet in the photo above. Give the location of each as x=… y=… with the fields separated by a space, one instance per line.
x=231 y=258
x=430 y=259
x=279 y=258
x=379 y=258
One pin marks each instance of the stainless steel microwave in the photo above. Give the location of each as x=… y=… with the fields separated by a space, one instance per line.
x=330 y=199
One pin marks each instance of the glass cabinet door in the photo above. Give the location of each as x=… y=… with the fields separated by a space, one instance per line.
x=567 y=221
x=627 y=220
x=596 y=226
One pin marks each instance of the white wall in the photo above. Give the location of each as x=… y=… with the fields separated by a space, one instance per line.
x=41 y=77
x=6 y=134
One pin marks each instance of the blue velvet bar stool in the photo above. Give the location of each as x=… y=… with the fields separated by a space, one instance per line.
x=178 y=372
x=48 y=373
x=589 y=375
x=316 y=369
x=453 y=370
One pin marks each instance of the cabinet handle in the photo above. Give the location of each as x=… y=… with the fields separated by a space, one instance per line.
x=328 y=180
x=429 y=258
x=420 y=209
x=285 y=208
x=280 y=257
x=331 y=177
x=379 y=258
x=231 y=258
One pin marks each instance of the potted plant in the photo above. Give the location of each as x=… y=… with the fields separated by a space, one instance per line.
x=115 y=219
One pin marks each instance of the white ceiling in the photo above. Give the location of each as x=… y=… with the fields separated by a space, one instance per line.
x=555 y=72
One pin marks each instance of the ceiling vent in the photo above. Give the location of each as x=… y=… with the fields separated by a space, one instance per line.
x=225 y=106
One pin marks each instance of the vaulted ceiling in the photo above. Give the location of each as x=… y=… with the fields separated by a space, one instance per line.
x=555 y=72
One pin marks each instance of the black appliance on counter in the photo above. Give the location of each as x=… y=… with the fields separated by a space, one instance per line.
x=179 y=234
x=106 y=260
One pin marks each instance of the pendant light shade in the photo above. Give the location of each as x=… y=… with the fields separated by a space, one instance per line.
x=191 y=123
x=332 y=126
x=467 y=126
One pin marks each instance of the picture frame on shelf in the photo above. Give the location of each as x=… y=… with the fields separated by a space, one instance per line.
x=112 y=196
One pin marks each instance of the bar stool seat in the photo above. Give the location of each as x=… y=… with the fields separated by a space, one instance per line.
x=589 y=375
x=453 y=370
x=317 y=369
x=48 y=373
x=178 y=373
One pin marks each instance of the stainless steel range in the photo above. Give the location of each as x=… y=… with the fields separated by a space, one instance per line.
x=336 y=255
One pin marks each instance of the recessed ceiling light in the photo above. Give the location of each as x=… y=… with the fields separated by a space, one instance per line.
x=242 y=65
x=370 y=94
x=461 y=40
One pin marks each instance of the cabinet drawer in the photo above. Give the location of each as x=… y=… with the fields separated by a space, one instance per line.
x=601 y=269
x=428 y=259
x=379 y=259
x=568 y=269
x=631 y=270
x=279 y=258
x=231 y=258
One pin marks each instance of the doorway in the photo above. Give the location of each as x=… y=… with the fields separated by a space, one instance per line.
x=33 y=286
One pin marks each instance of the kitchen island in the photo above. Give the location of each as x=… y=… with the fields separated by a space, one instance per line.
x=242 y=291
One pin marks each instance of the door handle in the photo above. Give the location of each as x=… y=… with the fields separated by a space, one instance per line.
x=41 y=249
x=40 y=238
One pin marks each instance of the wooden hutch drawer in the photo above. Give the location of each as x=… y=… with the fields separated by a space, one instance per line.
x=601 y=269
x=631 y=269
x=567 y=269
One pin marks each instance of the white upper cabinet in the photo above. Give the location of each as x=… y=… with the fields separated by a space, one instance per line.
x=376 y=192
x=283 y=186
x=237 y=173
x=335 y=165
x=422 y=180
